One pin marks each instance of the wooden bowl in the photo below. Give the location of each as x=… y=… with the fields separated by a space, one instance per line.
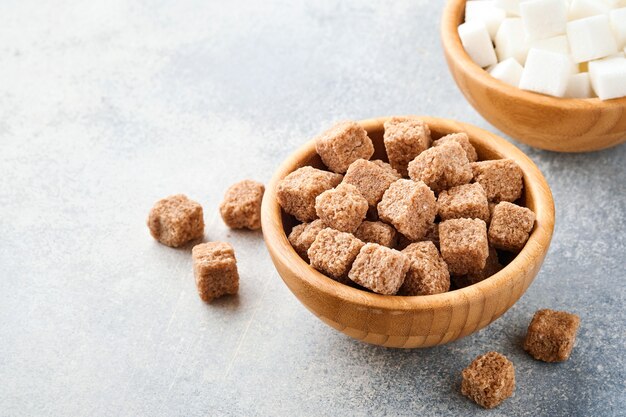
x=551 y=123
x=419 y=321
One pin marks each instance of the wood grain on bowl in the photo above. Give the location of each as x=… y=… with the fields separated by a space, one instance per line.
x=551 y=123
x=419 y=321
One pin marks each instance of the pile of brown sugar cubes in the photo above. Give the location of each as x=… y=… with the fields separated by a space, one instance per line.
x=432 y=218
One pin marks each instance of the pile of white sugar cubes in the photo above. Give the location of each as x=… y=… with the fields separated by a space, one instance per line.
x=563 y=48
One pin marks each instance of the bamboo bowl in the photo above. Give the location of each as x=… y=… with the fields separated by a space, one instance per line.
x=420 y=321
x=551 y=123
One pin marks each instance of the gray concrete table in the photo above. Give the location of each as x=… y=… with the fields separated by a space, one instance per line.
x=108 y=105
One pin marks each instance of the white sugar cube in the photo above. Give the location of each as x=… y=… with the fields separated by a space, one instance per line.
x=508 y=71
x=511 y=7
x=591 y=38
x=558 y=44
x=543 y=18
x=618 y=23
x=608 y=77
x=579 y=86
x=546 y=72
x=615 y=4
x=477 y=43
x=486 y=12
x=580 y=9
x=511 y=41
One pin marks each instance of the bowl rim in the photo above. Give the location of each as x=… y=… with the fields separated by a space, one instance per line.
x=452 y=14
x=532 y=254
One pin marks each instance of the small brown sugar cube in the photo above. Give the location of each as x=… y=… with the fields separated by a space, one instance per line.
x=465 y=201
x=464 y=245
x=510 y=226
x=379 y=269
x=428 y=273
x=303 y=235
x=241 y=207
x=501 y=179
x=405 y=138
x=377 y=232
x=410 y=206
x=371 y=179
x=387 y=167
x=296 y=192
x=343 y=144
x=441 y=167
x=551 y=335
x=462 y=139
x=492 y=266
x=333 y=253
x=295 y=234
x=176 y=220
x=489 y=380
x=342 y=208
x=215 y=269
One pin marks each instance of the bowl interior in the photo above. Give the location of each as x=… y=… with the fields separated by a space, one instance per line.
x=376 y=131
x=454 y=15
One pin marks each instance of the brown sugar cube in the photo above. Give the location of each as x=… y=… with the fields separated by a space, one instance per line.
x=501 y=179
x=463 y=140
x=464 y=245
x=489 y=380
x=303 y=235
x=387 y=167
x=241 y=207
x=342 y=208
x=295 y=234
x=510 y=226
x=405 y=138
x=410 y=206
x=333 y=253
x=379 y=269
x=428 y=273
x=215 y=269
x=296 y=192
x=371 y=179
x=343 y=144
x=465 y=201
x=551 y=335
x=492 y=266
x=176 y=220
x=377 y=232
x=441 y=167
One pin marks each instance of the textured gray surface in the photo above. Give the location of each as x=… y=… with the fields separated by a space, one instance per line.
x=107 y=106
